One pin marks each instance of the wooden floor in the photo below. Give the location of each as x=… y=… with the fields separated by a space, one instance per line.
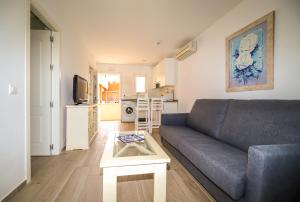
x=76 y=176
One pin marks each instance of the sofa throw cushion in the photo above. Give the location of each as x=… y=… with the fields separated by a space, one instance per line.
x=207 y=116
x=261 y=122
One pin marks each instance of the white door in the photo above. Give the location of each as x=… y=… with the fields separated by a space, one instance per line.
x=40 y=92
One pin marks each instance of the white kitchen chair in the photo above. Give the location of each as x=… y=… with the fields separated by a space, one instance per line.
x=142 y=120
x=156 y=110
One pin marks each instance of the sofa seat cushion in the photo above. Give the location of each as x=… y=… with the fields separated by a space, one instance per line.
x=175 y=134
x=221 y=163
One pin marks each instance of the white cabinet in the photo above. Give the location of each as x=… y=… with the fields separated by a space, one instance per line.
x=128 y=84
x=170 y=107
x=81 y=126
x=165 y=72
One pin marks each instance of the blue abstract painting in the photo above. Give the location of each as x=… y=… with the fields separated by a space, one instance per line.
x=247 y=54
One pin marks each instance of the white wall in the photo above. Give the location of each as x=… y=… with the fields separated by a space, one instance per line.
x=127 y=76
x=13 y=46
x=74 y=56
x=14 y=54
x=202 y=75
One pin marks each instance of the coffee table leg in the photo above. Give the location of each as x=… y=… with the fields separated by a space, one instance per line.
x=109 y=185
x=160 y=183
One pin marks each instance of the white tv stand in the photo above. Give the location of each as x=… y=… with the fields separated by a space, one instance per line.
x=81 y=126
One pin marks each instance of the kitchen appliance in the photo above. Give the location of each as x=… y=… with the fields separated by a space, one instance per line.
x=128 y=110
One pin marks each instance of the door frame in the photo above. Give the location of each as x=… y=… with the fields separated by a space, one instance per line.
x=108 y=73
x=56 y=115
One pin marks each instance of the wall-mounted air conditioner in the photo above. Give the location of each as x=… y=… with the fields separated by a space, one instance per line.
x=187 y=50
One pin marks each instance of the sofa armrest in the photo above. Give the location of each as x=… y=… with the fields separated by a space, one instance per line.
x=177 y=119
x=273 y=173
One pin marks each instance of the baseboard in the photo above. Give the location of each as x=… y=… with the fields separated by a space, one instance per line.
x=13 y=192
x=63 y=149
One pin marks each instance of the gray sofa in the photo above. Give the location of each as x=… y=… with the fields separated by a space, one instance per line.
x=239 y=150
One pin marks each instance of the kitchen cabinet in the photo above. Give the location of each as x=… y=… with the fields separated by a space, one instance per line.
x=165 y=72
x=128 y=85
x=170 y=107
x=154 y=75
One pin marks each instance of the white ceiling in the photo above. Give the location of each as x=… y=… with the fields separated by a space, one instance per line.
x=127 y=31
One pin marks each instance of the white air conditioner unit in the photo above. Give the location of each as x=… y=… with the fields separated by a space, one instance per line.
x=186 y=51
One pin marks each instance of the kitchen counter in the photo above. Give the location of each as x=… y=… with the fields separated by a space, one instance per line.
x=135 y=99
x=129 y=99
x=170 y=101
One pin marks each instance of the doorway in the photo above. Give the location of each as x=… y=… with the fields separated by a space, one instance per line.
x=44 y=89
x=109 y=97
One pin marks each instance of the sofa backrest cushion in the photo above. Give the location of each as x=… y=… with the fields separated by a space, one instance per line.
x=207 y=116
x=261 y=122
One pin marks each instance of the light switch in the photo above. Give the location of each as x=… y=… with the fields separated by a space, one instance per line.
x=12 y=90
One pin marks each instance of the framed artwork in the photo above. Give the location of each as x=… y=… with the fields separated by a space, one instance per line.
x=249 y=56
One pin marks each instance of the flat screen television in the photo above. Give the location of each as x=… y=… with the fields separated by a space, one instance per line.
x=80 y=90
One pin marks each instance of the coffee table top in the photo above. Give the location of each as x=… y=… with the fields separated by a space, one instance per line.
x=117 y=153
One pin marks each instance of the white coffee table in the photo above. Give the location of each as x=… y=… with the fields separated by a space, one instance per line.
x=121 y=159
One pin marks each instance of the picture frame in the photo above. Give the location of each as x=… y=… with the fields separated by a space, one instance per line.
x=250 y=56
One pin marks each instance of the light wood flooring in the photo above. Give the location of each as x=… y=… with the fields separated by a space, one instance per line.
x=76 y=176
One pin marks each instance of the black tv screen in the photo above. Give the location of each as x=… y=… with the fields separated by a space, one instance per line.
x=80 y=90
